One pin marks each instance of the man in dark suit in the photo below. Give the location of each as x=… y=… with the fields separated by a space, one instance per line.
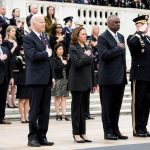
x=5 y=80
x=33 y=10
x=112 y=77
x=139 y=46
x=38 y=80
x=4 y=21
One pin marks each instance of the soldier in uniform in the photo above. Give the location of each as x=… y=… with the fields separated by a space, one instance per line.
x=139 y=46
x=67 y=30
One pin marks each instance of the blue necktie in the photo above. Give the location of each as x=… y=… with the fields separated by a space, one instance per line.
x=116 y=38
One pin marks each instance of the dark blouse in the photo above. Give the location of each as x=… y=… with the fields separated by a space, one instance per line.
x=58 y=67
x=53 y=42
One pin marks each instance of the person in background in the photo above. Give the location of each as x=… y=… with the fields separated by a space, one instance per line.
x=20 y=32
x=58 y=37
x=11 y=44
x=139 y=46
x=67 y=30
x=81 y=82
x=4 y=21
x=6 y=78
x=33 y=11
x=111 y=77
x=79 y=23
x=22 y=90
x=60 y=91
x=15 y=15
x=50 y=20
x=39 y=81
x=92 y=42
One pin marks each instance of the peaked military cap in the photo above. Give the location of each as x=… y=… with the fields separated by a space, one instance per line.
x=68 y=19
x=141 y=19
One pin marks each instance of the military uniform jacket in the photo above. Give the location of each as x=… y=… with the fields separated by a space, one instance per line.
x=112 y=68
x=140 y=53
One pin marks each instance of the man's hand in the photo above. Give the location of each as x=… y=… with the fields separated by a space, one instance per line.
x=3 y=57
x=122 y=45
x=49 y=51
x=143 y=28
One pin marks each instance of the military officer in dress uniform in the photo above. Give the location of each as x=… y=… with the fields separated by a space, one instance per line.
x=139 y=46
x=67 y=30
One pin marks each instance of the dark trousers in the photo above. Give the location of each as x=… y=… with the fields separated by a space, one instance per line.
x=87 y=105
x=3 y=96
x=40 y=97
x=140 y=104
x=111 y=99
x=78 y=111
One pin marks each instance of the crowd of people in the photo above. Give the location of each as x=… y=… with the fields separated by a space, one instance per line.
x=141 y=4
x=52 y=60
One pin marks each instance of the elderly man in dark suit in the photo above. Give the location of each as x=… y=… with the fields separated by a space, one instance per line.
x=5 y=80
x=112 y=77
x=38 y=79
x=4 y=21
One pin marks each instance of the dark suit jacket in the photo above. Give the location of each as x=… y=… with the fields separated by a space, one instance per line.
x=81 y=75
x=28 y=18
x=13 y=21
x=38 y=67
x=5 y=68
x=3 y=25
x=140 y=62
x=112 y=65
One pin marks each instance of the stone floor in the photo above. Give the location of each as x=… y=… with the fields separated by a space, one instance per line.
x=14 y=136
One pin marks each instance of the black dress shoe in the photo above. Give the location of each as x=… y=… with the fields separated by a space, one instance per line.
x=140 y=134
x=121 y=137
x=5 y=121
x=110 y=136
x=148 y=134
x=89 y=117
x=34 y=143
x=44 y=142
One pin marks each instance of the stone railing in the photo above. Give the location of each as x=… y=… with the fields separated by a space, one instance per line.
x=89 y=14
